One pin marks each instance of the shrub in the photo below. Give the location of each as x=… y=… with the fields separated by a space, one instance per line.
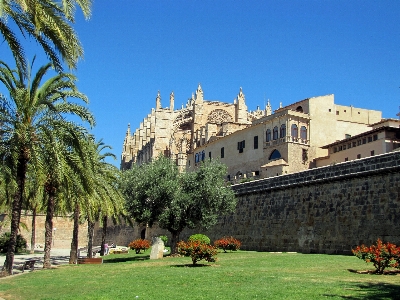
x=164 y=238
x=199 y=238
x=197 y=251
x=5 y=241
x=228 y=243
x=139 y=245
x=381 y=255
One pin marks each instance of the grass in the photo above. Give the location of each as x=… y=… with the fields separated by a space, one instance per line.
x=236 y=275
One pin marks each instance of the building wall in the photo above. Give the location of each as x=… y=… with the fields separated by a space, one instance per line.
x=374 y=142
x=324 y=121
x=326 y=210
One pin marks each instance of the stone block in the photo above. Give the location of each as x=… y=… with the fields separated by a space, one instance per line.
x=157 y=248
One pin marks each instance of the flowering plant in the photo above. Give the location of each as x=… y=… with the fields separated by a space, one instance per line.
x=382 y=255
x=228 y=243
x=139 y=245
x=197 y=251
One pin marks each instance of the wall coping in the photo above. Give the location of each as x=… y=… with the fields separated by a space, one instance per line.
x=388 y=162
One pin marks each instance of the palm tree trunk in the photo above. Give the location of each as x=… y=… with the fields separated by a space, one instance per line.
x=73 y=256
x=48 y=237
x=90 y=238
x=33 y=236
x=103 y=235
x=16 y=214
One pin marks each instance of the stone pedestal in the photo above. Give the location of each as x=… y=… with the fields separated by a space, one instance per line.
x=157 y=248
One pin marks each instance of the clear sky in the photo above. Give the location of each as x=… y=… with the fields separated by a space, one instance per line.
x=282 y=50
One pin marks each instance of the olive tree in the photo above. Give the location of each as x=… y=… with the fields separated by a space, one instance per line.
x=157 y=192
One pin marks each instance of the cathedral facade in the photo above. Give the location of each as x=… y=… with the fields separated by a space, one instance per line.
x=258 y=144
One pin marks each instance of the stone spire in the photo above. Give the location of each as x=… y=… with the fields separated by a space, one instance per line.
x=268 y=109
x=241 y=108
x=128 y=131
x=199 y=94
x=158 y=101
x=171 y=101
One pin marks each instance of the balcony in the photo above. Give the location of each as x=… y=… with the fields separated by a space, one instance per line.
x=286 y=139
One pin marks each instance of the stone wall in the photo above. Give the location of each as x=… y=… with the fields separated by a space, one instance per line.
x=325 y=210
x=62 y=235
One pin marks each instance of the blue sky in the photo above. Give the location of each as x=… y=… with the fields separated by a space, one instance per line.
x=284 y=51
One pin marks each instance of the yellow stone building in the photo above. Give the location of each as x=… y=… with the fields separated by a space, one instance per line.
x=261 y=143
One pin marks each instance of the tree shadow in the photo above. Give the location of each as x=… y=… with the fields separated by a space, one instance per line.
x=125 y=259
x=190 y=266
x=372 y=291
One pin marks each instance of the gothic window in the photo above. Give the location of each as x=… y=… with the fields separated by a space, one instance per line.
x=275 y=155
x=283 y=131
x=303 y=132
x=268 y=135
x=219 y=116
x=275 y=133
x=295 y=133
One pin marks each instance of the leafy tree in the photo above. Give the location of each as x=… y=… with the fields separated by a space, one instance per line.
x=157 y=192
x=49 y=23
x=32 y=119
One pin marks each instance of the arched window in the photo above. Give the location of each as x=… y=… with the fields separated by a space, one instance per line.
x=275 y=155
x=275 y=133
x=303 y=132
x=295 y=133
x=283 y=131
x=268 y=135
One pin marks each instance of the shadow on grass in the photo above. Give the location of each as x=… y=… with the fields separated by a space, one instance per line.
x=125 y=259
x=373 y=291
x=190 y=266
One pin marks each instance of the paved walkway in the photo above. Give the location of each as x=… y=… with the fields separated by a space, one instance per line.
x=58 y=257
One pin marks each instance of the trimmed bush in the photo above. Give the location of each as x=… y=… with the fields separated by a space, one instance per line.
x=197 y=251
x=164 y=238
x=139 y=245
x=382 y=255
x=228 y=243
x=5 y=241
x=199 y=238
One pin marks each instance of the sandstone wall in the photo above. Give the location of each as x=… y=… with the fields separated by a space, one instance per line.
x=62 y=236
x=325 y=210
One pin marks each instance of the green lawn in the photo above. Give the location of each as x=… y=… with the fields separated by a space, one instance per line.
x=236 y=275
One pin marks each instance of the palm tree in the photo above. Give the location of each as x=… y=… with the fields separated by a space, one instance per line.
x=33 y=200
x=106 y=201
x=49 y=23
x=62 y=158
x=33 y=113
